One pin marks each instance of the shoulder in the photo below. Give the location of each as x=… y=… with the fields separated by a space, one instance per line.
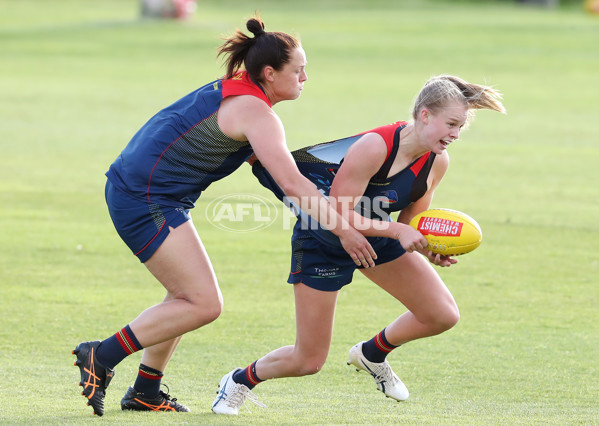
x=370 y=151
x=388 y=131
x=244 y=117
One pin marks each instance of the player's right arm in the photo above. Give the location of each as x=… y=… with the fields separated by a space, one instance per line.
x=362 y=160
x=248 y=118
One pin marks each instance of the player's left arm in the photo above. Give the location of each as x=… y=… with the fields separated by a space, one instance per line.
x=436 y=174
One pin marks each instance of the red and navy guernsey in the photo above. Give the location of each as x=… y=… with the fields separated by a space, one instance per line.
x=181 y=150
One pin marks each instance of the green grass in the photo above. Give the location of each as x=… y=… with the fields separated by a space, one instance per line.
x=78 y=78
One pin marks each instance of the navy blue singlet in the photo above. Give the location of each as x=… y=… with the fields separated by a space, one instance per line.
x=180 y=151
x=320 y=163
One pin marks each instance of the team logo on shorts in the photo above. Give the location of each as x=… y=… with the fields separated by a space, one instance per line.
x=326 y=273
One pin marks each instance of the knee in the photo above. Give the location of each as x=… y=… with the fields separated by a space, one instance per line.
x=308 y=369
x=206 y=311
x=211 y=313
x=447 y=318
x=440 y=319
x=309 y=366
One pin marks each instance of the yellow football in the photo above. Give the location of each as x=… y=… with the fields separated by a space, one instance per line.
x=448 y=232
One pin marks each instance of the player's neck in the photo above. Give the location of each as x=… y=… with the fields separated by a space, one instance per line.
x=410 y=145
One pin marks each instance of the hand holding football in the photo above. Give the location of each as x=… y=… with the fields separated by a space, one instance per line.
x=448 y=232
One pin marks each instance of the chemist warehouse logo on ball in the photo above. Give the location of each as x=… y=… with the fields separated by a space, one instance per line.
x=439 y=227
x=241 y=212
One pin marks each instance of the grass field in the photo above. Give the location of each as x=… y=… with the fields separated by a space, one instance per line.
x=78 y=78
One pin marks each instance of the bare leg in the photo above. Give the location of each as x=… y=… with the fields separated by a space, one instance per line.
x=158 y=356
x=182 y=266
x=415 y=283
x=315 y=313
x=193 y=299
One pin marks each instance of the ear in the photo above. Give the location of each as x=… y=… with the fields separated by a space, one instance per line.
x=425 y=115
x=268 y=73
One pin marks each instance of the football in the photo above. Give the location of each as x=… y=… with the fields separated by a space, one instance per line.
x=448 y=232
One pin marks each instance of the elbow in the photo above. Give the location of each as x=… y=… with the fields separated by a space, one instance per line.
x=288 y=187
x=292 y=187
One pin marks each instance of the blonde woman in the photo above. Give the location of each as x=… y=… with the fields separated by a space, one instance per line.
x=393 y=168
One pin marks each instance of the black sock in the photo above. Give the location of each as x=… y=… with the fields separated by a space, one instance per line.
x=248 y=376
x=118 y=346
x=148 y=381
x=377 y=348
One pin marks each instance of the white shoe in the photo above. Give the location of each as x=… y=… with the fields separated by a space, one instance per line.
x=386 y=380
x=231 y=396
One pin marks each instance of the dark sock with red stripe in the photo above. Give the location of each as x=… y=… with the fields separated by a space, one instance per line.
x=114 y=349
x=148 y=381
x=377 y=348
x=248 y=376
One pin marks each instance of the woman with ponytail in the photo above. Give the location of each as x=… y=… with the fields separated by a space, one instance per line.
x=156 y=180
x=389 y=169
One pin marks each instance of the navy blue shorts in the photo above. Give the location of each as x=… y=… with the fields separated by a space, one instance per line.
x=142 y=226
x=328 y=268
